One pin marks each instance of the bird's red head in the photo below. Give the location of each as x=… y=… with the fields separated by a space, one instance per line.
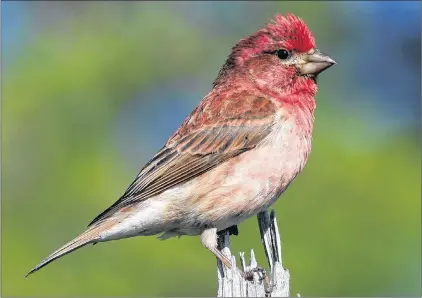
x=289 y=32
x=284 y=32
x=277 y=53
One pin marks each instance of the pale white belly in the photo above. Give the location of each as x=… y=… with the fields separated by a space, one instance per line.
x=226 y=195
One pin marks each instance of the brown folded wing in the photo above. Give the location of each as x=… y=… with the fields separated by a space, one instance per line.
x=216 y=131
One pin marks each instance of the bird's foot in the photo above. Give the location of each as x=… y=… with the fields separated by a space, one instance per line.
x=249 y=274
x=262 y=276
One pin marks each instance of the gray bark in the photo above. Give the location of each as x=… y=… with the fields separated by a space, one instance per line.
x=232 y=284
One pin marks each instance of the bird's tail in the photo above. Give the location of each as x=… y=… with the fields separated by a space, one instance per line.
x=89 y=236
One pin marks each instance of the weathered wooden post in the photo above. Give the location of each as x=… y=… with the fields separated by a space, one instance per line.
x=231 y=284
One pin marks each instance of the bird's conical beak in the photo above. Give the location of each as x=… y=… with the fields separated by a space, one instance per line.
x=315 y=63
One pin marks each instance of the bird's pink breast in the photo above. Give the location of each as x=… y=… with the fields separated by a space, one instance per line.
x=253 y=180
x=230 y=192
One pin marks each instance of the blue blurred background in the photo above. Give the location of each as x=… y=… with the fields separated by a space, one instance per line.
x=90 y=91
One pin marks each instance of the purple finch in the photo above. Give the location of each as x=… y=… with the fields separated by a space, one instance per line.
x=234 y=155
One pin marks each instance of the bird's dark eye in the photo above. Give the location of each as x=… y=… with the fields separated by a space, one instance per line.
x=283 y=54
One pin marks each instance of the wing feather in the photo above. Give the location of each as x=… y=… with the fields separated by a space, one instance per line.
x=215 y=132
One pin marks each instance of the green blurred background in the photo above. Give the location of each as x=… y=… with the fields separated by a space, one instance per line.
x=90 y=91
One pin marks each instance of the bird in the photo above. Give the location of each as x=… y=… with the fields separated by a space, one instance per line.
x=235 y=153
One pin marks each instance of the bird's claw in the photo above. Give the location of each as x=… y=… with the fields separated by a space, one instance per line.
x=262 y=276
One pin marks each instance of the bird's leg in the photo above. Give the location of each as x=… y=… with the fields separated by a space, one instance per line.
x=221 y=257
x=209 y=240
x=233 y=230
